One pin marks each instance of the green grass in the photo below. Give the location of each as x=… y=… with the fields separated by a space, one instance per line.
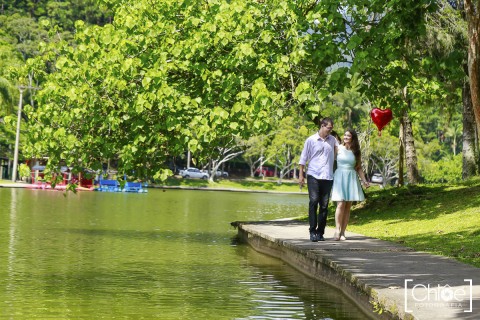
x=6 y=182
x=440 y=219
x=249 y=184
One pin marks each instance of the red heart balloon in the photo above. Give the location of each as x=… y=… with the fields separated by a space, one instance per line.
x=381 y=117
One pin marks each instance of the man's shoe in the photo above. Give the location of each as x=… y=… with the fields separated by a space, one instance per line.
x=320 y=238
x=313 y=237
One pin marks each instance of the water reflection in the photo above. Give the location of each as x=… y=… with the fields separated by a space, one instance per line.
x=283 y=293
x=161 y=255
x=10 y=285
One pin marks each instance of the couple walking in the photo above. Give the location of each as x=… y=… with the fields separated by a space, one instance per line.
x=320 y=151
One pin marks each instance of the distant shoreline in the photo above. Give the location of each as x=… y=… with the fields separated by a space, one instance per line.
x=201 y=188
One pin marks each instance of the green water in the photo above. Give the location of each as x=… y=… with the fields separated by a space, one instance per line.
x=161 y=255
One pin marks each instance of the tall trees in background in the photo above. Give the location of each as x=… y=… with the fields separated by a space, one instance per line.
x=173 y=75
x=451 y=30
x=384 y=44
x=23 y=27
x=62 y=13
x=10 y=57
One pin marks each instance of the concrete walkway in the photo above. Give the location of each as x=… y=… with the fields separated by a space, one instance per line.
x=382 y=277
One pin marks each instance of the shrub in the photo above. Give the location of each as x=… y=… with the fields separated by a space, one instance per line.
x=446 y=170
x=24 y=170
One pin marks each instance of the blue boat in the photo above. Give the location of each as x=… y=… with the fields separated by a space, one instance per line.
x=114 y=186
x=134 y=187
x=109 y=186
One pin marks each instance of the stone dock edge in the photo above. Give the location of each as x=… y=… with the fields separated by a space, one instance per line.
x=319 y=267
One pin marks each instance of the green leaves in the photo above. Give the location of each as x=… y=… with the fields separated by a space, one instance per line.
x=304 y=92
x=218 y=115
x=169 y=75
x=129 y=22
x=354 y=42
x=61 y=62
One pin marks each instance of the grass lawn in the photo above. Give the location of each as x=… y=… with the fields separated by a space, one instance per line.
x=441 y=219
x=6 y=181
x=253 y=184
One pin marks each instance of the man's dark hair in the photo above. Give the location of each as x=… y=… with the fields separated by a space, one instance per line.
x=325 y=121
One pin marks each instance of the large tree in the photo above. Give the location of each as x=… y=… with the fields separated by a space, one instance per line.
x=472 y=13
x=167 y=76
x=173 y=75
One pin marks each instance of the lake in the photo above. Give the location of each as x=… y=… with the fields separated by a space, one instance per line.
x=167 y=254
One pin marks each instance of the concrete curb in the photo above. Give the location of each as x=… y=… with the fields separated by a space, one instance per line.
x=372 y=272
x=14 y=185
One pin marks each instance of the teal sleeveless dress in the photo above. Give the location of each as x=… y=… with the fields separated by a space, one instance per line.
x=346 y=185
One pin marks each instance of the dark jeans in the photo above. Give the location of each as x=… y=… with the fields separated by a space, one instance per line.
x=319 y=194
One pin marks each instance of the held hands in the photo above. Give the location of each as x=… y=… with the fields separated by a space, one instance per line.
x=366 y=184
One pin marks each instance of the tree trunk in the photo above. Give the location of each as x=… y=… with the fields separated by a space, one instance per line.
x=210 y=169
x=410 y=152
x=401 y=153
x=472 y=8
x=469 y=166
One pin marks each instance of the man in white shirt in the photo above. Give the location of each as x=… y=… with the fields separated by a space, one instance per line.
x=319 y=152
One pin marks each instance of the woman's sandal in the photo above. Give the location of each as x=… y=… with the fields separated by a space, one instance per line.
x=336 y=236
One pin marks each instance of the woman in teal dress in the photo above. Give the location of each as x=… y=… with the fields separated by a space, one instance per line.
x=346 y=186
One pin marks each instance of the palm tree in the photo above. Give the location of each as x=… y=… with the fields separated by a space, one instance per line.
x=453 y=132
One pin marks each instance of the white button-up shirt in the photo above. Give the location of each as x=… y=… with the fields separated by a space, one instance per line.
x=319 y=153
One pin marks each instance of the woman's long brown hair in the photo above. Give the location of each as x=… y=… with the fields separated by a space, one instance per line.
x=355 y=147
